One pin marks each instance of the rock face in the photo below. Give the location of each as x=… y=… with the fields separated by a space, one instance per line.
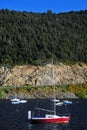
x=62 y=95
x=42 y=75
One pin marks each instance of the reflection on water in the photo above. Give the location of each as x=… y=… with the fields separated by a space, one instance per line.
x=29 y=126
x=52 y=127
x=48 y=126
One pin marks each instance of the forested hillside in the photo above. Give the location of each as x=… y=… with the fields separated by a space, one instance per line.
x=31 y=38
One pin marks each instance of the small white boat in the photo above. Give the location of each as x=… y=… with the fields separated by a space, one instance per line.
x=18 y=100
x=55 y=100
x=59 y=104
x=21 y=100
x=15 y=99
x=15 y=102
x=67 y=102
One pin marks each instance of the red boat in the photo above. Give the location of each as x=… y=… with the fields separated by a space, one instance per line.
x=49 y=118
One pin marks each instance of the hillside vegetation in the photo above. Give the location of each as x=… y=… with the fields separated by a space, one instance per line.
x=32 y=38
x=64 y=91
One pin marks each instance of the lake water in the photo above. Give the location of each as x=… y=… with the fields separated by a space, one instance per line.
x=14 y=117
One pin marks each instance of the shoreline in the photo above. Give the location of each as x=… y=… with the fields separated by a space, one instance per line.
x=61 y=95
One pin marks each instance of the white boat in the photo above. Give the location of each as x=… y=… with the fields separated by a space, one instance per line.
x=16 y=100
x=49 y=118
x=59 y=104
x=21 y=100
x=67 y=102
x=55 y=100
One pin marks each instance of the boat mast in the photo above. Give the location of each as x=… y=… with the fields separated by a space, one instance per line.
x=54 y=88
x=15 y=91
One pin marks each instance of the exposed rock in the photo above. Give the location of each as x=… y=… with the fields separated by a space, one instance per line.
x=42 y=75
x=41 y=95
x=68 y=95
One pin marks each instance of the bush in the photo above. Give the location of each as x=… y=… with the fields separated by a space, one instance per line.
x=1 y=93
x=81 y=95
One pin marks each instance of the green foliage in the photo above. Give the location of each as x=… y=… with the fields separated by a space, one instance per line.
x=1 y=93
x=29 y=38
x=63 y=88
x=79 y=89
x=81 y=95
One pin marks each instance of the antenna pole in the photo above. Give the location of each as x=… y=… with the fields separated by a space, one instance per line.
x=54 y=88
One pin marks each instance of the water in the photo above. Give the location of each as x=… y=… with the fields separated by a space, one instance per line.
x=14 y=117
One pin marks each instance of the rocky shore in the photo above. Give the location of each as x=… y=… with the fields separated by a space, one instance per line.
x=42 y=76
x=60 y=95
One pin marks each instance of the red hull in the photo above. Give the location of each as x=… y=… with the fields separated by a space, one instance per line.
x=50 y=120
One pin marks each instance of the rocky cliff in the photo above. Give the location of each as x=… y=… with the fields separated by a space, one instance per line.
x=42 y=75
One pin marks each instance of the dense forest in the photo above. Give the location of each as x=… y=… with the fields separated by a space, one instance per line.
x=32 y=38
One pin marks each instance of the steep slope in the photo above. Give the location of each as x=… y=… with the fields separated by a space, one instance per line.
x=32 y=38
x=42 y=75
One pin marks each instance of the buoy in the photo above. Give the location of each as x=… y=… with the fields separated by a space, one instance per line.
x=29 y=115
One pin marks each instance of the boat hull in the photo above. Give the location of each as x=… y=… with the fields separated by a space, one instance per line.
x=18 y=101
x=67 y=102
x=14 y=102
x=50 y=120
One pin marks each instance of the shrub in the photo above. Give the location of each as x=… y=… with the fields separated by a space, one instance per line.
x=1 y=93
x=81 y=95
